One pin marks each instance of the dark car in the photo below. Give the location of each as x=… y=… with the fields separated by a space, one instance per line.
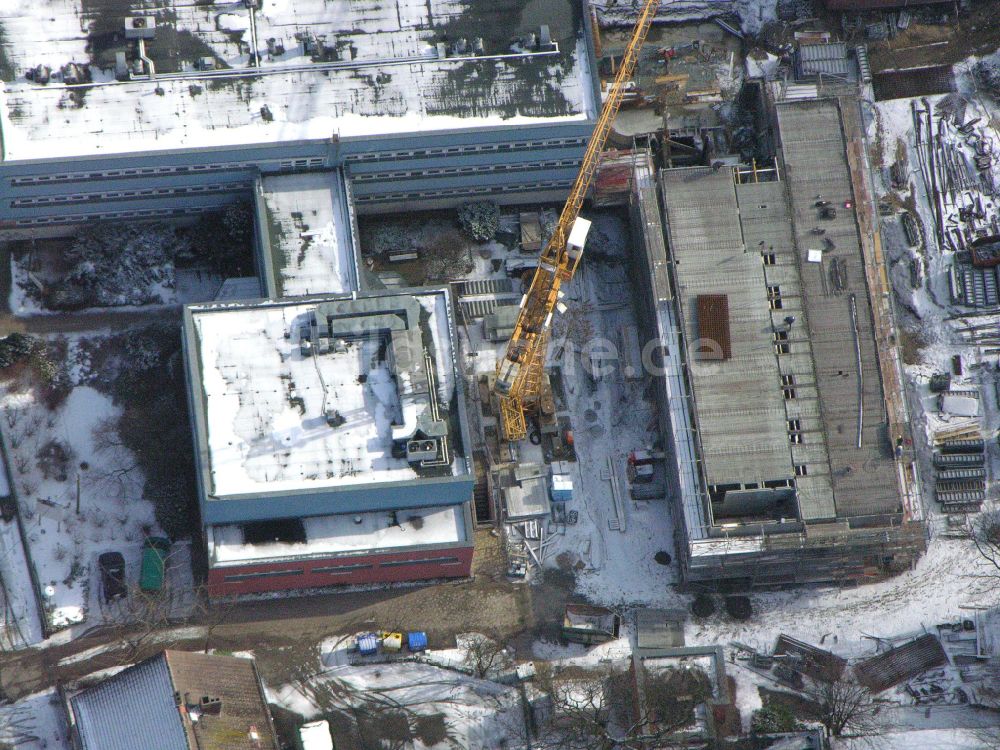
x=112 y=566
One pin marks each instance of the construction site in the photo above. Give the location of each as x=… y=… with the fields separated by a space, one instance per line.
x=777 y=446
x=670 y=342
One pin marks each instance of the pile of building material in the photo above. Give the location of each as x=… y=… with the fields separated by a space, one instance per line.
x=960 y=468
x=960 y=451
x=955 y=156
x=531 y=496
x=901 y=663
x=815 y=663
x=583 y=623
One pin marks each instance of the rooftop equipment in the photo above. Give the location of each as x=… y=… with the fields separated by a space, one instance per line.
x=140 y=27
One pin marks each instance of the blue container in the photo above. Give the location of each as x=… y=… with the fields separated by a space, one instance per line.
x=417 y=640
x=368 y=644
x=562 y=488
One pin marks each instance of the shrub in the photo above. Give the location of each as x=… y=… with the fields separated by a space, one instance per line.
x=16 y=347
x=703 y=606
x=773 y=719
x=986 y=73
x=739 y=607
x=480 y=220
x=224 y=240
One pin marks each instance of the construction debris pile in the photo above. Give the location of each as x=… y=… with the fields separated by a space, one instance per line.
x=956 y=159
x=948 y=664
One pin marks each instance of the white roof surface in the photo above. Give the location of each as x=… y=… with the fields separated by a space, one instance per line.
x=259 y=439
x=395 y=84
x=311 y=246
x=341 y=533
x=316 y=736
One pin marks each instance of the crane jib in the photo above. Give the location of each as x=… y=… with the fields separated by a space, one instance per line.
x=519 y=373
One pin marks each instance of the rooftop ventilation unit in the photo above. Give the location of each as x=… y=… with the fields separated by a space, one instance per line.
x=140 y=27
x=421 y=450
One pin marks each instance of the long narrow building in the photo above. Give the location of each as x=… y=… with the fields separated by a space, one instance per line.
x=785 y=462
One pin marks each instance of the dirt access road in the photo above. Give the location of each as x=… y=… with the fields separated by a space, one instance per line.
x=284 y=633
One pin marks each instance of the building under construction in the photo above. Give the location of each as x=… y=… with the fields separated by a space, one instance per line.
x=791 y=460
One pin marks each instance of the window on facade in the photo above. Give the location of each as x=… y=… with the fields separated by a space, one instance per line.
x=795 y=431
x=781 y=345
x=421 y=561
x=236 y=577
x=774 y=297
x=788 y=386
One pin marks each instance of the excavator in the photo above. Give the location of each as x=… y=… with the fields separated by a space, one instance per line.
x=520 y=373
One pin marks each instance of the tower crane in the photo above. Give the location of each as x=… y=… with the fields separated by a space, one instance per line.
x=519 y=373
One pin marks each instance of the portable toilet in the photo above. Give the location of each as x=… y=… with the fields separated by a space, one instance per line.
x=392 y=641
x=416 y=641
x=368 y=644
x=562 y=488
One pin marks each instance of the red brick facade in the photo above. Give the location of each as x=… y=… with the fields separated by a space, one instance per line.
x=293 y=573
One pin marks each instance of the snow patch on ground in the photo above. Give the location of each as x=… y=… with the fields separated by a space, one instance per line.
x=477 y=713
x=37 y=722
x=755 y=14
x=930 y=739
x=80 y=494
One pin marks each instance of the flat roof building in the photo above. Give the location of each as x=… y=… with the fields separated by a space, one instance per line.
x=277 y=73
x=786 y=466
x=410 y=102
x=328 y=429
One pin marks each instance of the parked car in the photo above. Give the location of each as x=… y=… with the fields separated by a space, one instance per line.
x=112 y=566
x=154 y=556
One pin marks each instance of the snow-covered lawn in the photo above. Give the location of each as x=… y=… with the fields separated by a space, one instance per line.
x=927 y=739
x=476 y=714
x=37 y=722
x=80 y=490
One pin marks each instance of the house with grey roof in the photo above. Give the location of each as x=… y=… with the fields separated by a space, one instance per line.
x=176 y=700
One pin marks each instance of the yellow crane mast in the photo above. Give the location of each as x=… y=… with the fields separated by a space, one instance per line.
x=519 y=374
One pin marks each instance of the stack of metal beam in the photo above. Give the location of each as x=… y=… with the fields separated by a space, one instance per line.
x=960 y=473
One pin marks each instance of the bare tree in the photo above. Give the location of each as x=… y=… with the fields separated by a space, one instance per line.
x=213 y=613
x=485 y=654
x=844 y=707
x=985 y=534
x=619 y=710
x=145 y=614
x=145 y=617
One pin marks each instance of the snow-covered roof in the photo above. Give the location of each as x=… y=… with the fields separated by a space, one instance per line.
x=352 y=532
x=329 y=392
x=310 y=244
x=345 y=69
